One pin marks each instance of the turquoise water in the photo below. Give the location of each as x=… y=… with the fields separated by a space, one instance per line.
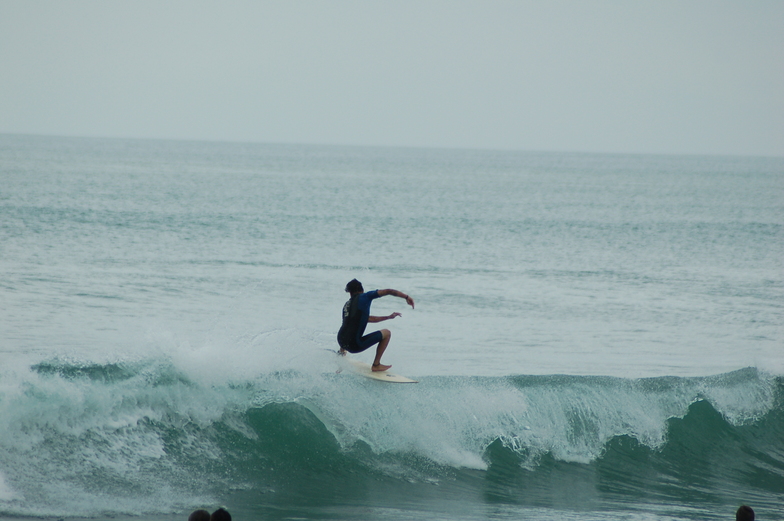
x=595 y=335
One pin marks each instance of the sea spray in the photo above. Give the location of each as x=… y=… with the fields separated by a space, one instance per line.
x=85 y=436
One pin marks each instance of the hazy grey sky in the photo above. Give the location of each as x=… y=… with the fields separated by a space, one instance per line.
x=690 y=77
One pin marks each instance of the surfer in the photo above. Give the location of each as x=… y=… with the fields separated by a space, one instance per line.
x=356 y=315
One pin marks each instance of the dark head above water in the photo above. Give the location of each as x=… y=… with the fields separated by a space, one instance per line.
x=744 y=513
x=354 y=287
x=220 y=515
x=199 y=515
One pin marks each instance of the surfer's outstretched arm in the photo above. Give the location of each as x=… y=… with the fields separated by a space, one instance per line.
x=396 y=293
x=381 y=319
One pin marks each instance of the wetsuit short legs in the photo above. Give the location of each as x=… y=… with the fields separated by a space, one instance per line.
x=365 y=342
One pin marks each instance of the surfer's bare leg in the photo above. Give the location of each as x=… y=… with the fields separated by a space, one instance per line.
x=382 y=346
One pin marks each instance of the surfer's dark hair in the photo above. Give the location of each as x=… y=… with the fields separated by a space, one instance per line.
x=354 y=286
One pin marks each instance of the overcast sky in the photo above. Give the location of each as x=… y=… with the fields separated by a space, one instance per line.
x=694 y=77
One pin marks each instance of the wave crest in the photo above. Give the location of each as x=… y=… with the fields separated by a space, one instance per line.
x=81 y=435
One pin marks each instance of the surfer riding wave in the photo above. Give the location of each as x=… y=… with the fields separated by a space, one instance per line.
x=356 y=315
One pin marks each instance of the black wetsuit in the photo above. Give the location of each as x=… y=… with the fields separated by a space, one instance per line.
x=356 y=313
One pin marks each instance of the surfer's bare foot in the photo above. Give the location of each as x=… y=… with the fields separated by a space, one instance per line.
x=380 y=367
x=342 y=352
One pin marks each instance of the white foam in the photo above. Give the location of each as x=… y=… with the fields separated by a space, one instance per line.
x=6 y=492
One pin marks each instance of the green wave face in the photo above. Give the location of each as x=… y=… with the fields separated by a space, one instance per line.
x=143 y=437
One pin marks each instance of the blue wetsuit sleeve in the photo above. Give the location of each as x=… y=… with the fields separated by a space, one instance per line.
x=364 y=300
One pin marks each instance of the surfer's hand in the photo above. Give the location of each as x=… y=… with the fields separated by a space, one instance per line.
x=394 y=315
x=410 y=301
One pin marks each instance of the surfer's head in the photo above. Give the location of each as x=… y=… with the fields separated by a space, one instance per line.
x=354 y=287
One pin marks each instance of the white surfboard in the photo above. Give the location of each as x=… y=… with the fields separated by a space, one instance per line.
x=361 y=368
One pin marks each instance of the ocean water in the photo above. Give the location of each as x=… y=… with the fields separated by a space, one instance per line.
x=595 y=336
